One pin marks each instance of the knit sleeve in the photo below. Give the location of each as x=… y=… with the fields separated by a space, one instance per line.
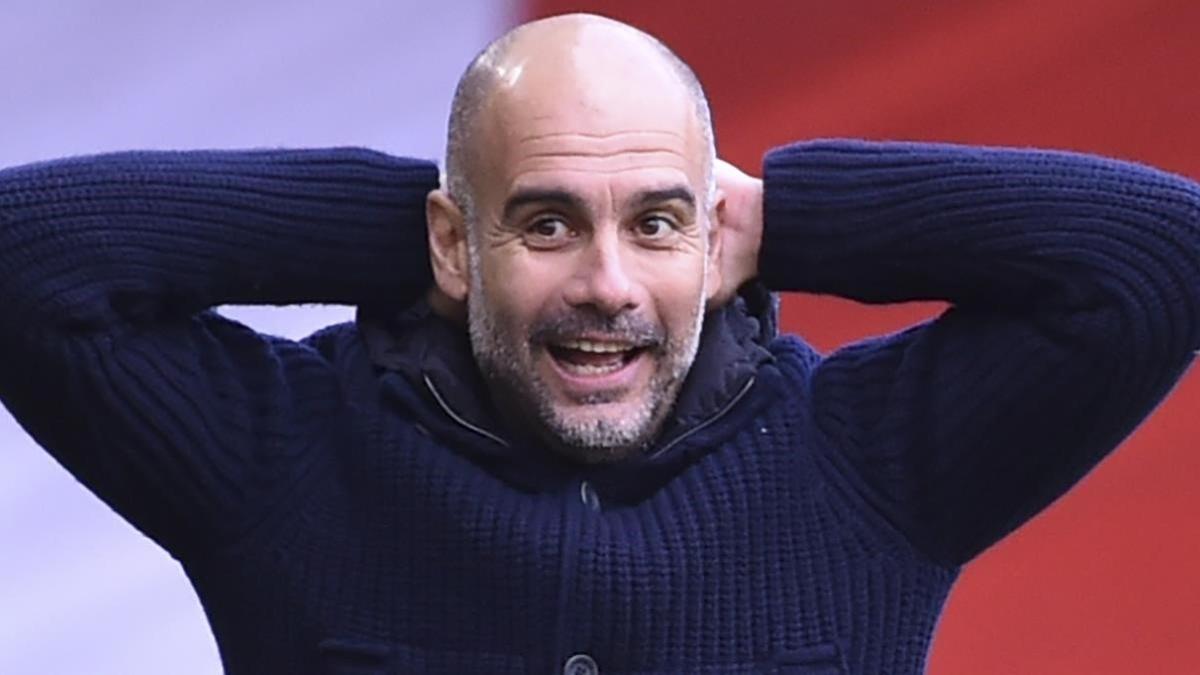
x=1074 y=285
x=113 y=360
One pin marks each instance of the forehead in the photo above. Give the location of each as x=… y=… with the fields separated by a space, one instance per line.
x=619 y=157
x=575 y=126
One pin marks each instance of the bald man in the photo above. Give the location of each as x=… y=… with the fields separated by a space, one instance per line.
x=562 y=434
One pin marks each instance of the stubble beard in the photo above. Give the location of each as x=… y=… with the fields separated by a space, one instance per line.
x=505 y=359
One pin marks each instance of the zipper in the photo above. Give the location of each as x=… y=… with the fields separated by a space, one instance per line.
x=706 y=423
x=463 y=422
x=437 y=396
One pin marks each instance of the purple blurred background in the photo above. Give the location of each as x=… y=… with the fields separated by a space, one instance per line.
x=80 y=590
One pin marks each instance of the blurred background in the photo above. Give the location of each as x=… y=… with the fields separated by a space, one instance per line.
x=1102 y=582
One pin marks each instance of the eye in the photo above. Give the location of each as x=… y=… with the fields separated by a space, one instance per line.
x=548 y=232
x=655 y=228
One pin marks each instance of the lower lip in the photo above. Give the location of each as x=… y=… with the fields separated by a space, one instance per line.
x=583 y=384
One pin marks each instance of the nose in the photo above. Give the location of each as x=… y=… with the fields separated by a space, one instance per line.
x=602 y=279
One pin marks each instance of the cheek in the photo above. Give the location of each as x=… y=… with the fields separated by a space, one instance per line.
x=516 y=290
x=676 y=288
x=679 y=305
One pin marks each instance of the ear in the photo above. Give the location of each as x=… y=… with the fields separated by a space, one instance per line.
x=716 y=226
x=448 y=245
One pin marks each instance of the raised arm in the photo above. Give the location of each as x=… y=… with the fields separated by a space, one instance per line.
x=187 y=423
x=1075 y=291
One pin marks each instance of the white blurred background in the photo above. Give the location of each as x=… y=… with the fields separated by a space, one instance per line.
x=80 y=590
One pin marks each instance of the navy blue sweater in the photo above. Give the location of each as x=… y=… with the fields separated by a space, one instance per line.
x=348 y=503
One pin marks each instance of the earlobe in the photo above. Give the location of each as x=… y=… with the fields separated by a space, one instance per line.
x=448 y=253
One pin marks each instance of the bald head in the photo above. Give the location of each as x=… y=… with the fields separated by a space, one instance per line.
x=597 y=66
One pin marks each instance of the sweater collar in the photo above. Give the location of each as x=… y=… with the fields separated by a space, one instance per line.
x=427 y=363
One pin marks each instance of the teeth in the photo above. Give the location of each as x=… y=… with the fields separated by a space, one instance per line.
x=596 y=347
x=580 y=369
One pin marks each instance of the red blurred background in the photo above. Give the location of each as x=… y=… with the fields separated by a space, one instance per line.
x=1104 y=581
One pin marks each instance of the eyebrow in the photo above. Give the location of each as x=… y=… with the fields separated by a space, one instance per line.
x=679 y=193
x=554 y=196
x=571 y=201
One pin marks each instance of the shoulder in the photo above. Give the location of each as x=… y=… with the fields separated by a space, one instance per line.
x=340 y=346
x=795 y=357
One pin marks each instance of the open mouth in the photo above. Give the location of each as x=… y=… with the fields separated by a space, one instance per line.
x=593 y=358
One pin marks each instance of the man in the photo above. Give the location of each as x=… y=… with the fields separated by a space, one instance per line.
x=587 y=451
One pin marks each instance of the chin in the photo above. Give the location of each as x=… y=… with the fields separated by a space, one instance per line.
x=616 y=433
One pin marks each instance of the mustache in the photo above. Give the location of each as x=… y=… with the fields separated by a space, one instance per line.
x=575 y=324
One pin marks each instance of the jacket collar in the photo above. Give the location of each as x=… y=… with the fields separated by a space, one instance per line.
x=427 y=366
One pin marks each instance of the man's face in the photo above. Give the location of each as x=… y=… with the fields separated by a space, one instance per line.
x=589 y=260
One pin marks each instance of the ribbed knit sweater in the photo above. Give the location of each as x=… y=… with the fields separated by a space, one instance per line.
x=335 y=518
